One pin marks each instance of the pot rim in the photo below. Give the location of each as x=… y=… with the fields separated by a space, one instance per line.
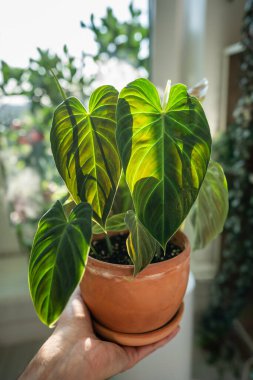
x=153 y=268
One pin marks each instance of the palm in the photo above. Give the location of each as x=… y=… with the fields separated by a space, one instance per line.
x=104 y=359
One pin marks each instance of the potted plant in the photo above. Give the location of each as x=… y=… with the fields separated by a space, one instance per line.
x=164 y=151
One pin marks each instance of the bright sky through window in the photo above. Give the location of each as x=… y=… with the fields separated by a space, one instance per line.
x=27 y=24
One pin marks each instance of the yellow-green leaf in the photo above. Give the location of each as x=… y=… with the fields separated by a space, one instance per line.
x=141 y=246
x=114 y=223
x=210 y=210
x=84 y=148
x=58 y=258
x=165 y=150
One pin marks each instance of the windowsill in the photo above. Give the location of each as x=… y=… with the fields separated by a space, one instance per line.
x=18 y=321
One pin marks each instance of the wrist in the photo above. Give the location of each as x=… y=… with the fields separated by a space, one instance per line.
x=42 y=364
x=59 y=358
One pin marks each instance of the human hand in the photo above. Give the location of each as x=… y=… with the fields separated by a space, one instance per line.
x=74 y=351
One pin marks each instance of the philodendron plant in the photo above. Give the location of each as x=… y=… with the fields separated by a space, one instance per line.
x=163 y=148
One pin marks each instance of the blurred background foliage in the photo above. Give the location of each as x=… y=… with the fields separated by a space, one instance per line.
x=227 y=327
x=25 y=155
x=24 y=138
x=122 y=40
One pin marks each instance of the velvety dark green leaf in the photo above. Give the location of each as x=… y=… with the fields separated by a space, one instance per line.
x=114 y=223
x=58 y=258
x=84 y=149
x=209 y=212
x=165 y=152
x=141 y=246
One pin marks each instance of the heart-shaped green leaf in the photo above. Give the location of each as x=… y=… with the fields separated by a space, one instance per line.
x=114 y=223
x=84 y=148
x=58 y=258
x=165 y=152
x=141 y=246
x=209 y=212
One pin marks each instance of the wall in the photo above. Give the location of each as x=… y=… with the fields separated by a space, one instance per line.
x=223 y=28
x=8 y=239
x=188 y=41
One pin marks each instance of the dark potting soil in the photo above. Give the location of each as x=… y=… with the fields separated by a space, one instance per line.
x=119 y=251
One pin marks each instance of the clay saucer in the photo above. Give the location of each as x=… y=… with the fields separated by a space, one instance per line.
x=141 y=339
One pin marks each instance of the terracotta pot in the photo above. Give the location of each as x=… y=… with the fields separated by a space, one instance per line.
x=126 y=304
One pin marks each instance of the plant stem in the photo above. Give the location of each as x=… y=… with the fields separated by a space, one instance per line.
x=93 y=249
x=108 y=243
x=60 y=89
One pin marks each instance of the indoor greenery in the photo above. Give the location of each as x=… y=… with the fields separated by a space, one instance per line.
x=24 y=137
x=124 y=40
x=232 y=290
x=162 y=146
x=24 y=131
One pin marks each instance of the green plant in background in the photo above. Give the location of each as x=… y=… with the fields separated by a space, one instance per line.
x=164 y=150
x=34 y=82
x=232 y=290
x=26 y=140
x=122 y=40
